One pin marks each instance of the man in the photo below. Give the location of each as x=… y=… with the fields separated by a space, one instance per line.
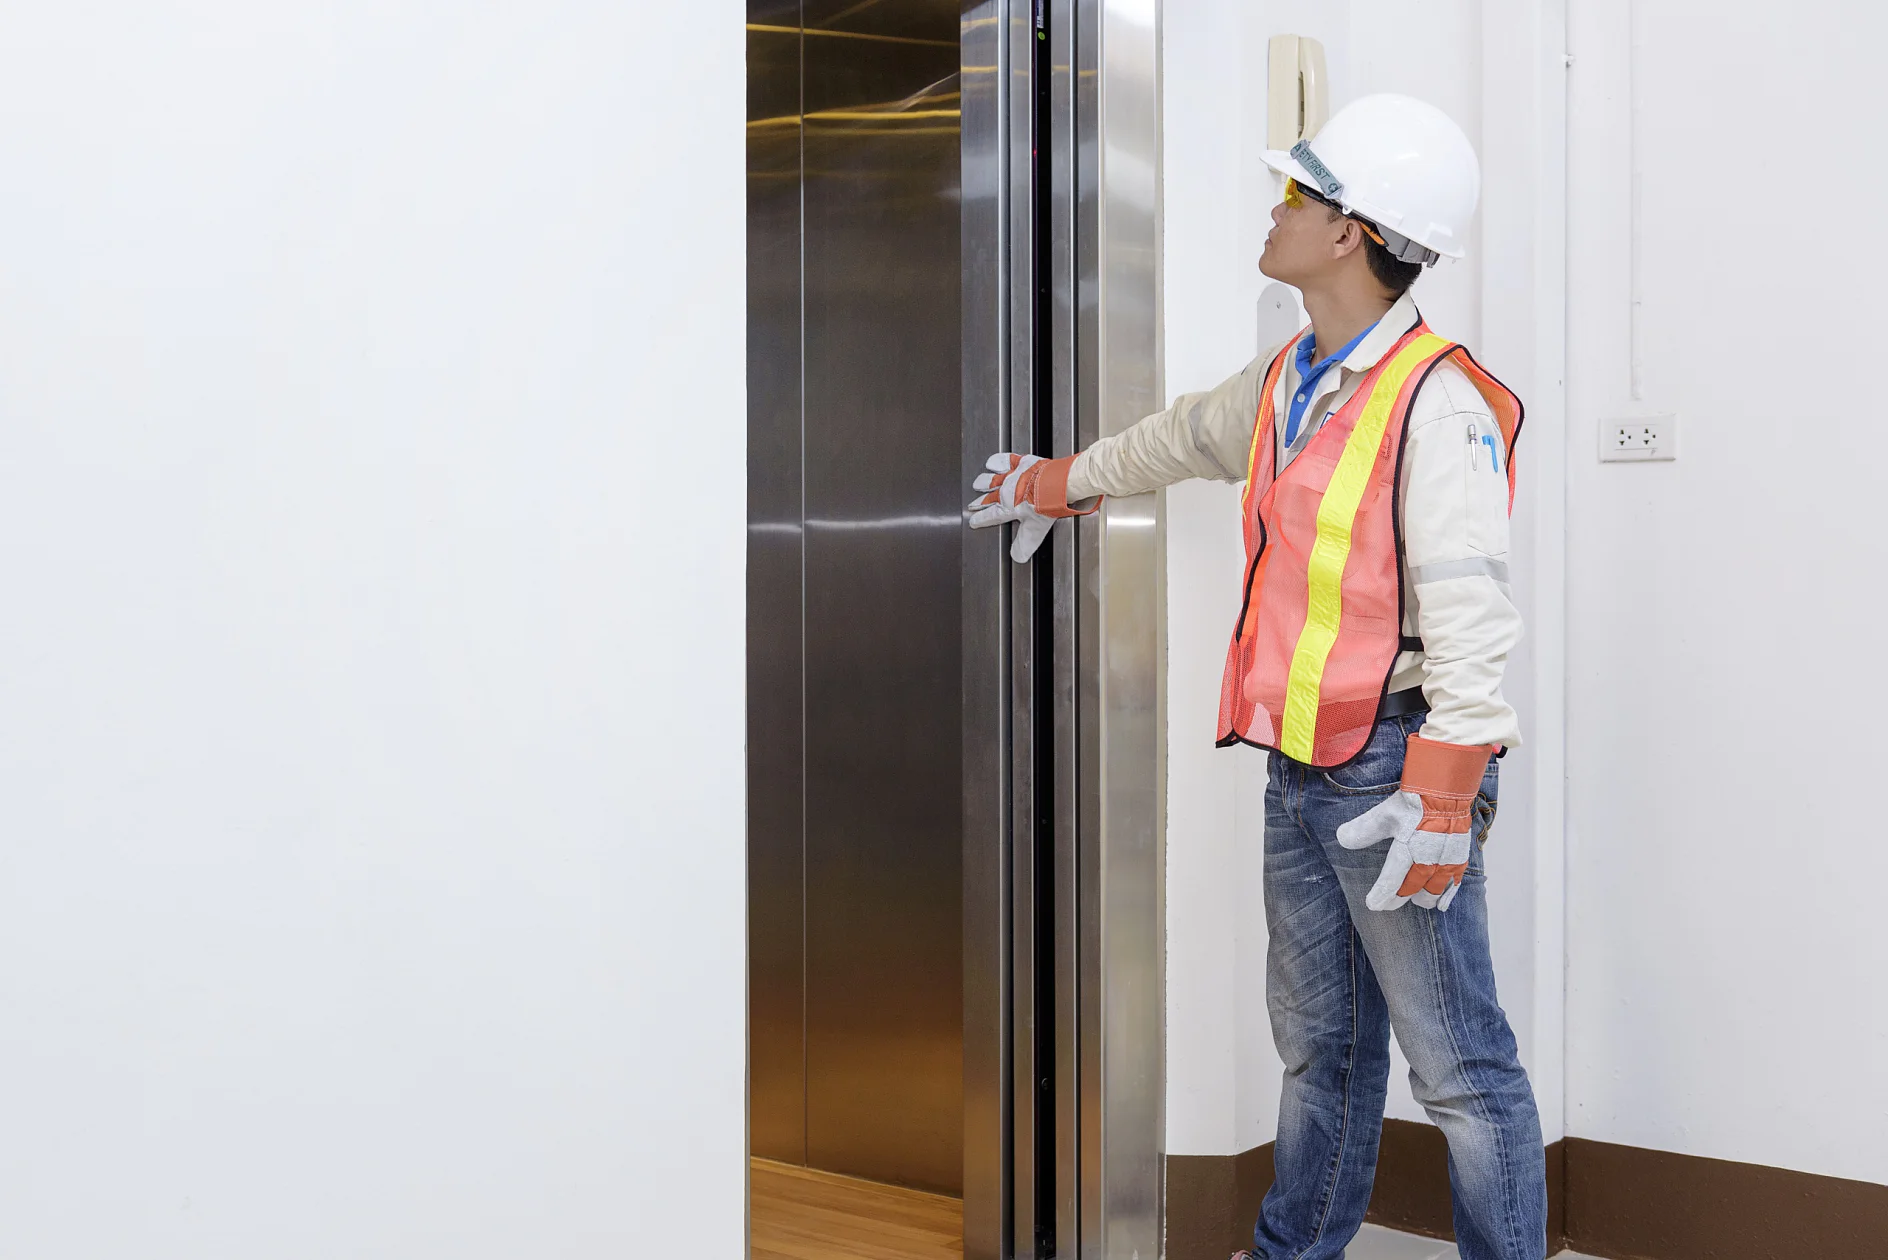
x=1368 y=659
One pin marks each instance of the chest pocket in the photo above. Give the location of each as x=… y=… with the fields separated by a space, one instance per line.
x=1295 y=500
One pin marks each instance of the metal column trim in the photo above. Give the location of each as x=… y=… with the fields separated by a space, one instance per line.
x=1121 y=636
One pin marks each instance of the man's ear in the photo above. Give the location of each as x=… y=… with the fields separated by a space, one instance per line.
x=1350 y=239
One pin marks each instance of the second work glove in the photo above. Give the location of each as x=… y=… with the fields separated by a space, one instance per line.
x=1427 y=823
x=1027 y=489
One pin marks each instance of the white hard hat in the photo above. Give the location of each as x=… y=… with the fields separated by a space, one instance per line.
x=1399 y=162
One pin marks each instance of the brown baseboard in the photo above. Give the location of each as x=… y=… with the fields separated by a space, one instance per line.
x=1619 y=1202
x=1213 y=1202
x=1629 y=1203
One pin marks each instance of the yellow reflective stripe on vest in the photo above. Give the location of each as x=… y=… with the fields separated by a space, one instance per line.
x=1337 y=512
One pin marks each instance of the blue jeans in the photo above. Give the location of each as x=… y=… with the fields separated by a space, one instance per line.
x=1339 y=977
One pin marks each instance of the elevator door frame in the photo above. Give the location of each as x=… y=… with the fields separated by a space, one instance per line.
x=1089 y=218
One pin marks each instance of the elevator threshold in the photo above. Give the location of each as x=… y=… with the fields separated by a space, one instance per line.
x=804 y=1214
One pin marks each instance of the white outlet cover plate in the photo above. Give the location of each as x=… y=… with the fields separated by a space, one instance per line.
x=1638 y=439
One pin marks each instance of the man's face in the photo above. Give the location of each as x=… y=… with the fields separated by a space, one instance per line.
x=1306 y=241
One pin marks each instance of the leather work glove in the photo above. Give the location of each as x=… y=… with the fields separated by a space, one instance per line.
x=1427 y=824
x=1027 y=489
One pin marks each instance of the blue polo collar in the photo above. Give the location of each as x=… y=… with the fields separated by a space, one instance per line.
x=1309 y=374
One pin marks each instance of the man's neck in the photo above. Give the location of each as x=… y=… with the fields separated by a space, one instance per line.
x=1338 y=316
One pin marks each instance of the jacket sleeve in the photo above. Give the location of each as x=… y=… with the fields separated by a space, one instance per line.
x=1202 y=435
x=1455 y=534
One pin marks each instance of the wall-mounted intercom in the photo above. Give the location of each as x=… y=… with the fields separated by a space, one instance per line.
x=1297 y=101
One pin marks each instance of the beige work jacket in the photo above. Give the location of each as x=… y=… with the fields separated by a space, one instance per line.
x=1455 y=512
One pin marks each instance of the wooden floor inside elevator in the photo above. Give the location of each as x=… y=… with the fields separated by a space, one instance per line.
x=803 y=1214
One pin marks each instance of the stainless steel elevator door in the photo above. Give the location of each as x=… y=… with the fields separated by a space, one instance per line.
x=854 y=589
x=775 y=657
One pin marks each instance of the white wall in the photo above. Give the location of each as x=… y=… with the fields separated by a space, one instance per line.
x=370 y=824
x=1223 y=1076
x=1725 y=865
x=1213 y=232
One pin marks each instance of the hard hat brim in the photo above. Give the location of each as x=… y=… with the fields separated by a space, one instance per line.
x=1288 y=166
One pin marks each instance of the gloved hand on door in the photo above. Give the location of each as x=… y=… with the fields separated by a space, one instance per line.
x=1427 y=823
x=1027 y=489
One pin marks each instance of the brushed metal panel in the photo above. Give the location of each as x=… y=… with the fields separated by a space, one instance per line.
x=988 y=1165
x=1121 y=617
x=884 y=552
x=776 y=1033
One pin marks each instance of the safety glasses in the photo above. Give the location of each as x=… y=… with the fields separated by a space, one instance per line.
x=1297 y=194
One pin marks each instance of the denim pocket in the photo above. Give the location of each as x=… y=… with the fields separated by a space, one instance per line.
x=1378 y=769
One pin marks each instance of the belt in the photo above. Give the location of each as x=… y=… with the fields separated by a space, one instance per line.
x=1402 y=703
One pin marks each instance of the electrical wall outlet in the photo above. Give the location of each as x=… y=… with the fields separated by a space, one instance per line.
x=1639 y=439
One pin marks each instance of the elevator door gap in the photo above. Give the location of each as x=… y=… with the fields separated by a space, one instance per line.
x=1044 y=664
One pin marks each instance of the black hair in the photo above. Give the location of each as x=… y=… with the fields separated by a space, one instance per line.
x=1391 y=272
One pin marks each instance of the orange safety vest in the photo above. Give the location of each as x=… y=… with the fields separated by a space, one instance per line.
x=1321 y=624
